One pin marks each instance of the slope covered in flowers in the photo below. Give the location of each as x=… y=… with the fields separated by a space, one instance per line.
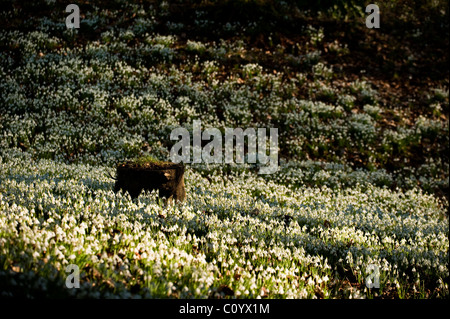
x=362 y=178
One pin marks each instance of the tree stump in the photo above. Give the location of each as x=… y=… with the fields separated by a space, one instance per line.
x=167 y=177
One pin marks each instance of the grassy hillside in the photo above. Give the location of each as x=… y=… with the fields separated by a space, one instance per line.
x=363 y=122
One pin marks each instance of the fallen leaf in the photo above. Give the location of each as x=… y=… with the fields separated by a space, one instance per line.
x=16 y=268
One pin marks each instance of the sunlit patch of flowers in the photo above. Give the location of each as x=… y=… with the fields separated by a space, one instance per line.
x=243 y=232
x=373 y=110
x=316 y=35
x=70 y=111
x=195 y=46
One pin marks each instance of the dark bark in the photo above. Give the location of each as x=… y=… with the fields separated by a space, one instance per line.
x=168 y=178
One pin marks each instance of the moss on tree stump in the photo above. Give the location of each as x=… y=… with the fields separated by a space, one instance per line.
x=148 y=174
